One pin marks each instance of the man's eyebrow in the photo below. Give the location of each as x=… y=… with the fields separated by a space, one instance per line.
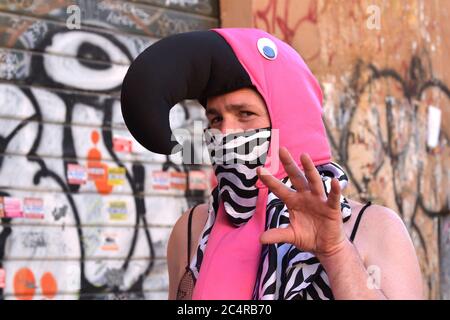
x=237 y=106
x=212 y=111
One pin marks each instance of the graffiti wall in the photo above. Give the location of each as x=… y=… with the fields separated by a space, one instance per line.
x=86 y=211
x=381 y=65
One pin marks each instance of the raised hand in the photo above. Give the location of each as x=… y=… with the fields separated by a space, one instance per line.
x=315 y=221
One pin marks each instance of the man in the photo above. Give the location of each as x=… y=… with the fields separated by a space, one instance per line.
x=270 y=230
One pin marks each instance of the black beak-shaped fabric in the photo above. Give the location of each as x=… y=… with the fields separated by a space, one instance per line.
x=192 y=65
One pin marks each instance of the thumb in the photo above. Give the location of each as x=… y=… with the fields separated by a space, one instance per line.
x=278 y=235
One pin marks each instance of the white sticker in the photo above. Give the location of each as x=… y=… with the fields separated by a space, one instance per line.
x=434 y=126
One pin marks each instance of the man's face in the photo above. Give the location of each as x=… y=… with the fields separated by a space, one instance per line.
x=240 y=110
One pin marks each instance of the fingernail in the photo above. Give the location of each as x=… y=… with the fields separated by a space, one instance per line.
x=306 y=156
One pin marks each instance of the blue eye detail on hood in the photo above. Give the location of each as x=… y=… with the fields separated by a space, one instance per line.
x=268 y=51
x=267 y=48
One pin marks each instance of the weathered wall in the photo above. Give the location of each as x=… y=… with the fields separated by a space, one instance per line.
x=106 y=238
x=378 y=85
x=105 y=235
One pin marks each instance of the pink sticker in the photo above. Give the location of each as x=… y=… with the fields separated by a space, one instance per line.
x=197 y=180
x=2 y=278
x=160 y=180
x=76 y=174
x=33 y=208
x=122 y=144
x=13 y=207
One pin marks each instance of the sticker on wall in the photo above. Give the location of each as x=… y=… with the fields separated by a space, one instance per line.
x=197 y=180
x=178 y=180
x=122 y=144
x=160 y=180
x=2 y=278
x=117 y=210
x=33 y=208
x=116 y=176
x=2 y=208
x=76 y=174
x=96 y=171
x=109 y=242
x=13 y=207
x=434 y=126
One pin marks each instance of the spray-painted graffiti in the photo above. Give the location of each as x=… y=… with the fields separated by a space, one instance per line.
x=380 y=87
x=81 y=215
x=381 y=120
x=274 y=17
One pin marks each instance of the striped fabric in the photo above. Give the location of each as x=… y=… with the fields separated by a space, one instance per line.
x=285 y=272
x=235 y=157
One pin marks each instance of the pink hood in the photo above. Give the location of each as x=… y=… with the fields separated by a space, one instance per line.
x=294 y=101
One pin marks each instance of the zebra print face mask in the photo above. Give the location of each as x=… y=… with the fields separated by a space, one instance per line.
x=235 y=158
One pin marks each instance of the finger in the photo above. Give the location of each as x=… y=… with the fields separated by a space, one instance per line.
x=276 y=186
x=334 y=197
x=278 y=235
x=313 y=176
x=296 y=176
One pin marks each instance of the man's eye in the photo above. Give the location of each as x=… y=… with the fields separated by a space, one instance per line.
x=214 y=120
x=246 y=113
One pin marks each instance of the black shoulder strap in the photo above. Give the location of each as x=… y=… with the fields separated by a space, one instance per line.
x=358 y=219
x=189 y=235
